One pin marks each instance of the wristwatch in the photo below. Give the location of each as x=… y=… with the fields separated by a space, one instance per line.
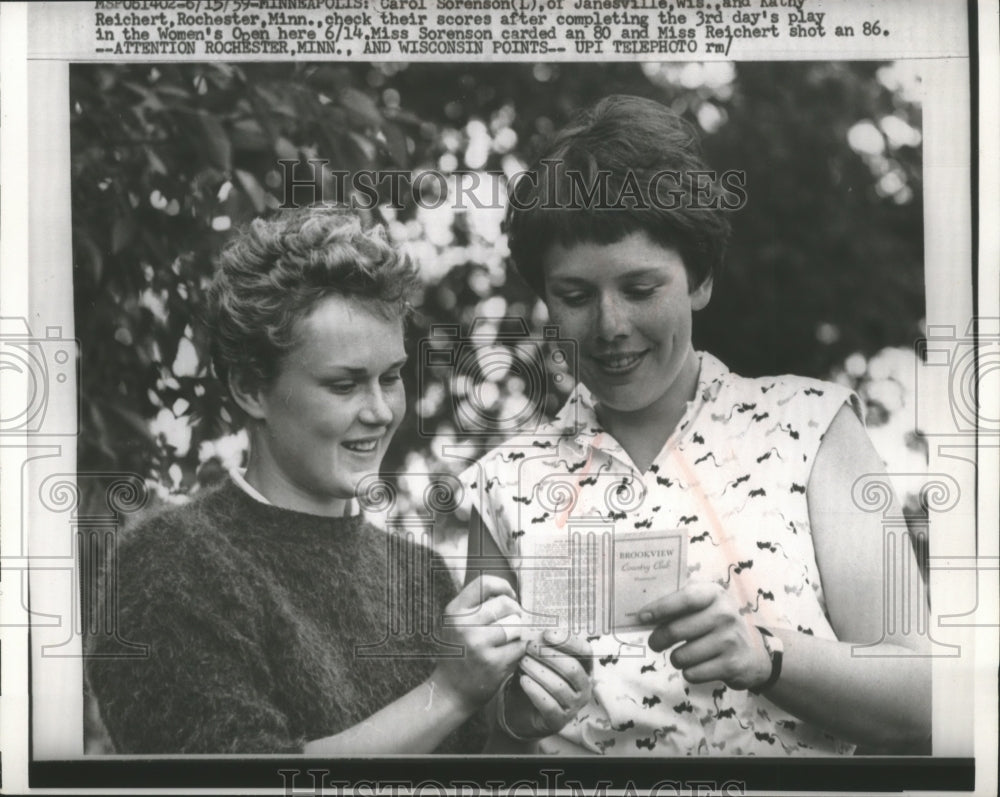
x=501 y=713
x=776 y=650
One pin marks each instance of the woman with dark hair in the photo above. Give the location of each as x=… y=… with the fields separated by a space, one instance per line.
x=776 y=643
x=276 y=619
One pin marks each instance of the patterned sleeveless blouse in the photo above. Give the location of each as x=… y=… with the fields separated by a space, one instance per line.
x=733 y=477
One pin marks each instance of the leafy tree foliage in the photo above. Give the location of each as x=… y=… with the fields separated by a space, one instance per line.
x=169 y=159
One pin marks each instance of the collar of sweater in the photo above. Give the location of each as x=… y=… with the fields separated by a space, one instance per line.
x=252 y=517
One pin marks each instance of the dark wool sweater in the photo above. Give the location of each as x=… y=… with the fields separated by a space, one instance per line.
x=267 y=628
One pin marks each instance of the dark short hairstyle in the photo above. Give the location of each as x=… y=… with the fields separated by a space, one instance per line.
x=628 y=141
x=273 y=273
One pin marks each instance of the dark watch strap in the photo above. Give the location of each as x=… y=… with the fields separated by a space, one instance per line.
x=776 y=652
x=501 y=713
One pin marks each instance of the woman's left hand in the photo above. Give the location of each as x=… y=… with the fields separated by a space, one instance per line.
x=719 y=644
x=554 y=685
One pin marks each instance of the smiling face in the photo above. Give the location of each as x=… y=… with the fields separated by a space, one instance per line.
x=628 y=306
x=324 y=423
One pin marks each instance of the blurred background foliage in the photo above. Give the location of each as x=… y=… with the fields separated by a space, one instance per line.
x=824 y=276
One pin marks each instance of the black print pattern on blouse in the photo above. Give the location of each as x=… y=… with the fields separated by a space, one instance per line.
x=734 y=479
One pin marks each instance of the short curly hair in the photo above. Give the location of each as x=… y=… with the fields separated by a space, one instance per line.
x=630 y=142
x=272 y=274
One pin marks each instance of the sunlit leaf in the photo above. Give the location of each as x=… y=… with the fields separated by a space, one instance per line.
x=156 y=165
x=365 y=145
x=94 y=260
x=122 y=233
x=285 y=149
x=131 y=419
x=330 y=78
x=217 y=146
x=395 y=141
x=253 y=189
x=149 y=97
x=360 y=107
x=249 y=135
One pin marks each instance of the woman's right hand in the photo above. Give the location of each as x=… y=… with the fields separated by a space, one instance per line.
x=479 y=620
